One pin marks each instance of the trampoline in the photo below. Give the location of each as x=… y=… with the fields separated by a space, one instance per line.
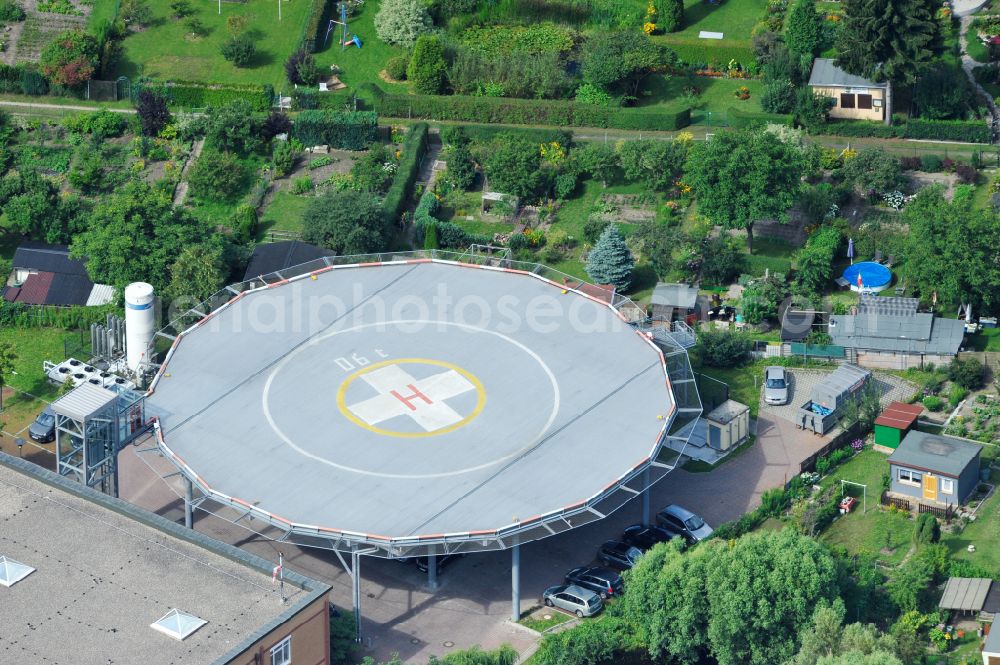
x=417 y=406
x=874 y=277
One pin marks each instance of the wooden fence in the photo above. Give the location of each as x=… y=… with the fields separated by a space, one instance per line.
x=901 y=504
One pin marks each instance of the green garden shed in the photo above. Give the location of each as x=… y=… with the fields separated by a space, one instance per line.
x=897 y=419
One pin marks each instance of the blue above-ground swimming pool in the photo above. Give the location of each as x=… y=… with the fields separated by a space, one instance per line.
x=874 y=276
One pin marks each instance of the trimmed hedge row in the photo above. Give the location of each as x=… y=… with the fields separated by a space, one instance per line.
x=314 y=27
x=414 y=147
x=968 y=131
x=192 y=94
x=484 y=133
x=740 y=118
x=450 y=235
x=494 y=110
x=345 y=130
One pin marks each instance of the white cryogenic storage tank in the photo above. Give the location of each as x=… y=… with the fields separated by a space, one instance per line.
x=139 y=323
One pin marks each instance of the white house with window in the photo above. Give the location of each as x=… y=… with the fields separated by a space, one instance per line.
x=937 y=470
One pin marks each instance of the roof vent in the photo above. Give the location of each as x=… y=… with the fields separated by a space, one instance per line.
x=12 y=572
x=177 y=624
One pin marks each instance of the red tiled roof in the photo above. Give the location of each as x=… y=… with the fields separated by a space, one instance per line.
x=34 y=290
x=900 y=415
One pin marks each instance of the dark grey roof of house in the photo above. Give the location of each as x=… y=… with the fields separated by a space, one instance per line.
x=796 y=325
x=47 y=258
x=274 y=256
x=939 y=453
x=67 y=289
x=674 y=295
x=913 y=333
x=895 y=306
x=826 y=74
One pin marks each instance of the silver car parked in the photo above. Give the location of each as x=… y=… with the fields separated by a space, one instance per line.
x=572 y=598
x=775 y=385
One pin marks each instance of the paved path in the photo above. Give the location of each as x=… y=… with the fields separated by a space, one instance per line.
x=968 y=64
x=40 y=105
x=180 y=194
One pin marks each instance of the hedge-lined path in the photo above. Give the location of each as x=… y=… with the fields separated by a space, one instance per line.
x=64 y=107
x=180 y=194
x=968 y=64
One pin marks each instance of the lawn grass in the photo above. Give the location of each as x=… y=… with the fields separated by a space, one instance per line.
x=32 y=346
x=364 y=64
x=541 y=625
x=735 y=19
x=769 y=254
x=976 y=49
x=283 y=213
x=712 y=103
x=167 y=49
x=987 y=339
x=984 y=533
x=744 y=382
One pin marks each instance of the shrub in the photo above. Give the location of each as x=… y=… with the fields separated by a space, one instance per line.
x=191 y=94
x=301 y=68
x=217 y=175
x=967 y=174
x=303 y=185
x=71 y=58
x=244 y=223
x=282 y=158
x=956 y=395
x=103 y=124
x=671 y=17
x=427 y=66
x=591 y=94
x=775 y=501
x=910 y=163
x=966 y=372
x=395 y=67
x=239 y=50
x=970 y=131
x=804 y=31
x=933 y=403
x=11 y=12
x=930 y=163
x=723 y=348
x=927 y=530
x=274 y=124
x=153 y=113
x=402 y=22
x=778 y=96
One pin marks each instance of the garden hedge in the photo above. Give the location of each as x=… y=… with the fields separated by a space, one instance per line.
x=20 y=315
x=494 y=110
x=414 y=147
x=484 y=133
x=967 y=131
x=740 y=118
x=192 y=94
x=344 y=130
x=314 y=28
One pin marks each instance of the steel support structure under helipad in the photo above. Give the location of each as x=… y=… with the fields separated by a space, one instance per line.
x=377 y=430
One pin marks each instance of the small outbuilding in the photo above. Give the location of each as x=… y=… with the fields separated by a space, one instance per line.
x=671 y=302
x=728 y=425
x=855 y=97
x=937 y=470
x=991 y=649
x=895 y=422
x=822 y=412
x=970 y=595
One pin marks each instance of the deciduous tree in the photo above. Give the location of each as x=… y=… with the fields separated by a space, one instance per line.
x=742 y=177
x=347 y=222
x=71 y=58
x=623 y=59
x=402 y=22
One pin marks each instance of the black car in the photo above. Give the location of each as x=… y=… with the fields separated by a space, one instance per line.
x=602 y=581
x=442 y=560
x=43 y=429
x=644 y=537
x=619 y=555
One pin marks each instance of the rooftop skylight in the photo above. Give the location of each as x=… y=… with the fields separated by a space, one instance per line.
x=177 y=624
x=12 y=572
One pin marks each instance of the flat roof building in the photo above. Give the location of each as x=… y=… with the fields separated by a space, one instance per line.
x=91 y=579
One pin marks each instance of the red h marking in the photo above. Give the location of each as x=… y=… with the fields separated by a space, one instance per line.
x=408 y=400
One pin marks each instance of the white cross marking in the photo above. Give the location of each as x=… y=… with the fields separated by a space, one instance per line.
x=423 y=400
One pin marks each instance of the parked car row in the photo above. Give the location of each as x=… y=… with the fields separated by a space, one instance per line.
x=587 y=587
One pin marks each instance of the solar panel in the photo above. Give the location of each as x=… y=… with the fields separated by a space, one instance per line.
x=893 y=306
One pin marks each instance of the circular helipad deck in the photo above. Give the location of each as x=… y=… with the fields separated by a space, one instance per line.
x=412 y=402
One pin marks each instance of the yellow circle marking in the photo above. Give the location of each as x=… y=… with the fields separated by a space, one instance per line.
x=344 y=409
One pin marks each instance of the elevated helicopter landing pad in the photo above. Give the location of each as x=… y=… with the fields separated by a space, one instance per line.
x=411 y=402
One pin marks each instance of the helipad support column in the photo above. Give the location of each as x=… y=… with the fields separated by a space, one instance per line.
x=645 y=496
x=432 y=571
x=356 y=584
x=188 y=500
x=515 y=583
